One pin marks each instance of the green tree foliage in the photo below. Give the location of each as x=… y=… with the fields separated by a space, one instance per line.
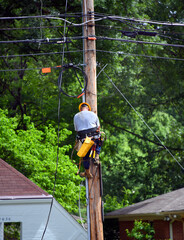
x=141 y=231
x=34 y=153
x=132 y=157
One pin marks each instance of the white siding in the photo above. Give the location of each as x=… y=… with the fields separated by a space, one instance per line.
x=33 y=214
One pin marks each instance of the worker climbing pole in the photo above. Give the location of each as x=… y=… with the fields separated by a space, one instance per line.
x=87 y=125
x=94 y=183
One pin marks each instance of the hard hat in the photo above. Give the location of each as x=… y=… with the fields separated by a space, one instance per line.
x=84 y=103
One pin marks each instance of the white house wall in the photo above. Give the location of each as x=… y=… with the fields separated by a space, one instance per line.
x=33 y=214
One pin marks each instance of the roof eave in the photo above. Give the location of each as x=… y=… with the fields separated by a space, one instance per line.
x=147 y=216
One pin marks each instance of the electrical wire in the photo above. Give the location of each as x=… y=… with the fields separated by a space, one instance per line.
x=141 y=55
x=102 y=17
x=54 y=18
x=64 y=40
x=37 y=54
x=139 y=42
x=80 y=206
x=41 y=21
x=110 y=27
x=103 y=51
x=41 y=16
x=143 y=120
x=69 y=66
x=161 y=34
x=71 y=58
x=46 y=40
x=59 y=107
x=115 y=17
x=30 y=28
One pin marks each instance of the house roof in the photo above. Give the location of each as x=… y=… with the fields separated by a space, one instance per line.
x=13 y=184
x=169 y=202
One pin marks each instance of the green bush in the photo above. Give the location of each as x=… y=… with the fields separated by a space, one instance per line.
x=141 y=231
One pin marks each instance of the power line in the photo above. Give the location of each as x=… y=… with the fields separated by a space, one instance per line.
x=110 y=27
x=47 y=40
x=30 y=28
x=42 y=16
x=54 y=18
x=139 y=42
x=115 y=18
x=103 y=51
x=139 y=20
x=141 y=55
x=65 y=39
x=111 y=17
x=59 y=108
x=126 y=32
x=31 y=69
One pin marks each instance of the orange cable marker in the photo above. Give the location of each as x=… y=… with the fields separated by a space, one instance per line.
x=46 y=70
x=91 y=38
x=80 y=95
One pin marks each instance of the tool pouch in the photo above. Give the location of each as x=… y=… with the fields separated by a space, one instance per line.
x=78 y=145
x=87 y=144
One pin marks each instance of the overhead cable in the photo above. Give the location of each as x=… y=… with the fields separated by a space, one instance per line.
x=103 y=51
x=110 y=27
x=139 y=42
x=115 y=17
x=46 y=40
x=111 y=17
x=71 y=66
x=58 y=137
x=140 y=55
x=62 y=40
x=97 y=50
x=40 y=16
x=54 y=18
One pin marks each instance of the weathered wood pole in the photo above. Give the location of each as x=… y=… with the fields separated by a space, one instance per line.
x=94 y=184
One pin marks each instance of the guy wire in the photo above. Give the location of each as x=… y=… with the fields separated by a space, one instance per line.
x=143 y=120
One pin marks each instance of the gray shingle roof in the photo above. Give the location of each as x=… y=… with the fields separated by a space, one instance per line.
x=169 y=202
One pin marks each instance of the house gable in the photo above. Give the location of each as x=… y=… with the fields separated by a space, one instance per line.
x=13 y=184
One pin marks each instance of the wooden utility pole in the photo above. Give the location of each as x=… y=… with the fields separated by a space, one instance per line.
x=94 y=184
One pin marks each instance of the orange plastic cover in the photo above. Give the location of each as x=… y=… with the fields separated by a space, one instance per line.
x=46 y=70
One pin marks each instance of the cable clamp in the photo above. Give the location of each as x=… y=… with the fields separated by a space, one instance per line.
x=70 y=64
x=64 y=40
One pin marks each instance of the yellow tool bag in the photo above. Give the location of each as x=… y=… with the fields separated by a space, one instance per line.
x=87 y=144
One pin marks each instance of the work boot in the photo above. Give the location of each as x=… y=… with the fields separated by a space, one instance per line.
x=82 y=174
x=88 y=174
x=97 y=160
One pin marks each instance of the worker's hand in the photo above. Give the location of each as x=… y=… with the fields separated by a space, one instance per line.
x=98 y=129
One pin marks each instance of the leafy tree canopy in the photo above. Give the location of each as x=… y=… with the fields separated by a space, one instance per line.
x=148 y=75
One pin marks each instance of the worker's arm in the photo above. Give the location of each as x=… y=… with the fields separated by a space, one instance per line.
x=98 y=125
